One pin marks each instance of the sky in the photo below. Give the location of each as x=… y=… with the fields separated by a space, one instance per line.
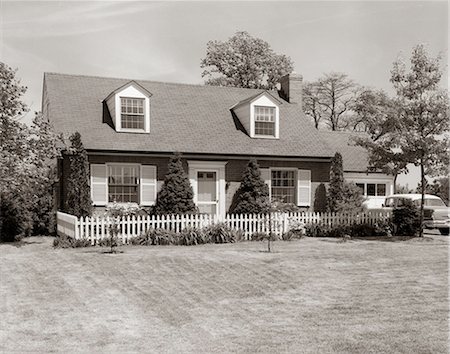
x=165 y=41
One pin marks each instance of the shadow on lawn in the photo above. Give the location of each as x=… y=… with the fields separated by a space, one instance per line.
x=23 y=242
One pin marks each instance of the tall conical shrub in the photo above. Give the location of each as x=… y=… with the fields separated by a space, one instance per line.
x=253 y=193
x=78 y=200
x=336 y=189
x=176 y=195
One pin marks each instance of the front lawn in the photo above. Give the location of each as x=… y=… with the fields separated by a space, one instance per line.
x=312 y=295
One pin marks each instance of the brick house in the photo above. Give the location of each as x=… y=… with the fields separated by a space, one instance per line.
x=131 y=128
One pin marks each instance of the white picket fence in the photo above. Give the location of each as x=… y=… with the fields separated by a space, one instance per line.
x=96 y=228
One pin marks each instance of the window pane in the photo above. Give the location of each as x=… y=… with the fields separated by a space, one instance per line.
x=206 y=185
x=132 y=116
x=265 y=128
x=264 y=114
x=207 y=209
x=123 y=184
x=371 y=189
x=381 y=189
x=283 y=186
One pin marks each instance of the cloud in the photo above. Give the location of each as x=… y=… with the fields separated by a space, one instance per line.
x=53 y=19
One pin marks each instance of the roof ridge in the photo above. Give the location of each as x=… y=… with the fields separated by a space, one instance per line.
x=152 y=81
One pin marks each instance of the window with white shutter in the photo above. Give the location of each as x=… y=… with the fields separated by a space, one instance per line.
x=99 y=184
x=149 y=185
x=304 y=188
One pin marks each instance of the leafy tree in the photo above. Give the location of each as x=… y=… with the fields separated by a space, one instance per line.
x=330 y=100
x=176 y=195
x=25 y=162
x=439 y=187
x=336 y=189
x=15 y=160
x=78 y=199
x=253 y=193
x=16 y=167
x=422 y=108
x=244 y=61
x=374 y=113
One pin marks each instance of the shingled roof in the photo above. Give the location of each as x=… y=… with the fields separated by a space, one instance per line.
x=355 y=158
x=185 y=118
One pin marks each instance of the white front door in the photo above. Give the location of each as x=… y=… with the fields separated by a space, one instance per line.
x=207 y=192
x=208 y=184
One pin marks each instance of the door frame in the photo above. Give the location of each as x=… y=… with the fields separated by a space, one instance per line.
x=209 y=166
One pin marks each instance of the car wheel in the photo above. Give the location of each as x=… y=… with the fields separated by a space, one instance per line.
x=444 y=232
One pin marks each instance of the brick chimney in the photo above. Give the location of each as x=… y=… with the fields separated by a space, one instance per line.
x=292 y=88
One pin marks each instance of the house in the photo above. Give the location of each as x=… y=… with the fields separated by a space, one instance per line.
x=130 y=128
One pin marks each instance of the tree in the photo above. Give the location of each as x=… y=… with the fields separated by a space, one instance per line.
x=253 y=193
x=244 y=61
x=422 y=108
x=311 y=103
x=439 y=187
x=336 y=189
x=15 y=159
x=25 y=163
x=78 y=201
x=14 y=153
x=374 y=113
x=330 y=100
x=176 y=195
x=384 y=155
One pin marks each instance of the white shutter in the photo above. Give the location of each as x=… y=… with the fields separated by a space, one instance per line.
x=99 y=184
x=265 y=175
x=304 y=188
x=148 y=185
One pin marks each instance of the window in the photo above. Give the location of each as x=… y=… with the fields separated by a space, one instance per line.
x=123 y=184
x=265 y=121
x=283 y=186
x=132 y=113
x=381 y=189
x=372 y=189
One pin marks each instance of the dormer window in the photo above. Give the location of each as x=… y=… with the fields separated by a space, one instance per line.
x=129 y=107
x=132 y=113
x=265 y=121
x=259 y=115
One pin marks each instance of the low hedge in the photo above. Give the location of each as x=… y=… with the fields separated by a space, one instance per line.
x=355 y=230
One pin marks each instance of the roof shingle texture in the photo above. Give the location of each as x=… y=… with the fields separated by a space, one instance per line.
x=185 y=118
x=354 y=158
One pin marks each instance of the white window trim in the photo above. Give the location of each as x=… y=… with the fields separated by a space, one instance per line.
x=118 y=107
x=252 y=119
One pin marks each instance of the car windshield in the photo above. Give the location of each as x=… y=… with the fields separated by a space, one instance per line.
x=430 y=202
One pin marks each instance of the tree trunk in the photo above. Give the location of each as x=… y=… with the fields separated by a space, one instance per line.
x=395 y=182
x=422 y=201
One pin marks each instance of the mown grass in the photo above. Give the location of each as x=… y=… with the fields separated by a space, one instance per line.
x=312 y=295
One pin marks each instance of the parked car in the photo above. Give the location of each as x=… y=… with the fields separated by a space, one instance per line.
x=436 y=213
